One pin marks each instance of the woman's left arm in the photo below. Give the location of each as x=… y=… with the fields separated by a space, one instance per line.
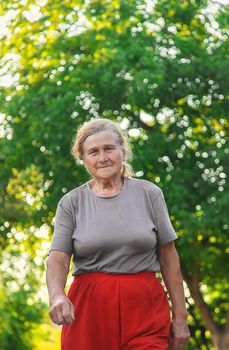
x=171 y=273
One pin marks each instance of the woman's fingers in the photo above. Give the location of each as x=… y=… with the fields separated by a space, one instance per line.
x=179 y=336
x=68 y=314
x=62 y=312
x=56 y=314
x=72 y=311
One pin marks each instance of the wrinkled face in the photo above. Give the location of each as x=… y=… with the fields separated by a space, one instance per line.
x=103 y=155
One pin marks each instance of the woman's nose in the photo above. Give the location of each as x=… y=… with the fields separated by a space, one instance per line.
x=102 y=157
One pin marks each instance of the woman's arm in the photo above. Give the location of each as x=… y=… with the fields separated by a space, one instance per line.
x=171 y=273
x=61 y=308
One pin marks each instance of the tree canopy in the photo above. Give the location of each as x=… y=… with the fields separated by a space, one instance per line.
x=157 y=67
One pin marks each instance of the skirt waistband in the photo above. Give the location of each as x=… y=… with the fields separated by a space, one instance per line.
x=104 y=275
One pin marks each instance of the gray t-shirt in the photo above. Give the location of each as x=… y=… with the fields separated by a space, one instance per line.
x=116 y=234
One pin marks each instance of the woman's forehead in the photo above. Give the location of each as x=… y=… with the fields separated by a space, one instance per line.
x=99 y=139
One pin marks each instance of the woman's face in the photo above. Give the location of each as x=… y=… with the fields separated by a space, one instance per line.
x=103 y=155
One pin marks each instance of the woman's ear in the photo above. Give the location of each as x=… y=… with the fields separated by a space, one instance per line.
x=83 y=162
x=124 y=155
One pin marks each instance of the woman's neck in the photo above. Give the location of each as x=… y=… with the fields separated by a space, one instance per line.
x=106 y=186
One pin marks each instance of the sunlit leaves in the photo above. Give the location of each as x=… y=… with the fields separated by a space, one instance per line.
x=158 y=67
x=26 y=186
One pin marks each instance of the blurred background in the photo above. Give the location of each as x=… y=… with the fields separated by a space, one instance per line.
x=160 y=68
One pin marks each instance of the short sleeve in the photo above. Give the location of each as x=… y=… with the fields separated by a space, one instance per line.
x=63 y=228
x=165 y=230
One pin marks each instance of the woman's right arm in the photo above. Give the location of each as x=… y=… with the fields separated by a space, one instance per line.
x=57 y=268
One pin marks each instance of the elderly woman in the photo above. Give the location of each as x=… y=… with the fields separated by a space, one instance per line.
x=117 y=229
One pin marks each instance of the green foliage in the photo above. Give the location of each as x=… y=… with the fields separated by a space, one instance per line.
x=159 y=68
x=19 y=320
x=20 y=307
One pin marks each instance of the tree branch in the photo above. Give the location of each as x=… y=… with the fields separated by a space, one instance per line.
x=193 y=285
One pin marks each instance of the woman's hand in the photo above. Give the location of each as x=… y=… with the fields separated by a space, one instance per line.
x=61 y=308
x=179 y=335
x=171 y=273
x=62 y=311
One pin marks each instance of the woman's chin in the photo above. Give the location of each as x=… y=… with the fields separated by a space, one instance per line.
x=106 y=174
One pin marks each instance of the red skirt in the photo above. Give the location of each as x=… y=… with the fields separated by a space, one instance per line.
x=117 y=312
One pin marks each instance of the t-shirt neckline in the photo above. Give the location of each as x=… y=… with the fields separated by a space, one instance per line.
x=107 y=197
